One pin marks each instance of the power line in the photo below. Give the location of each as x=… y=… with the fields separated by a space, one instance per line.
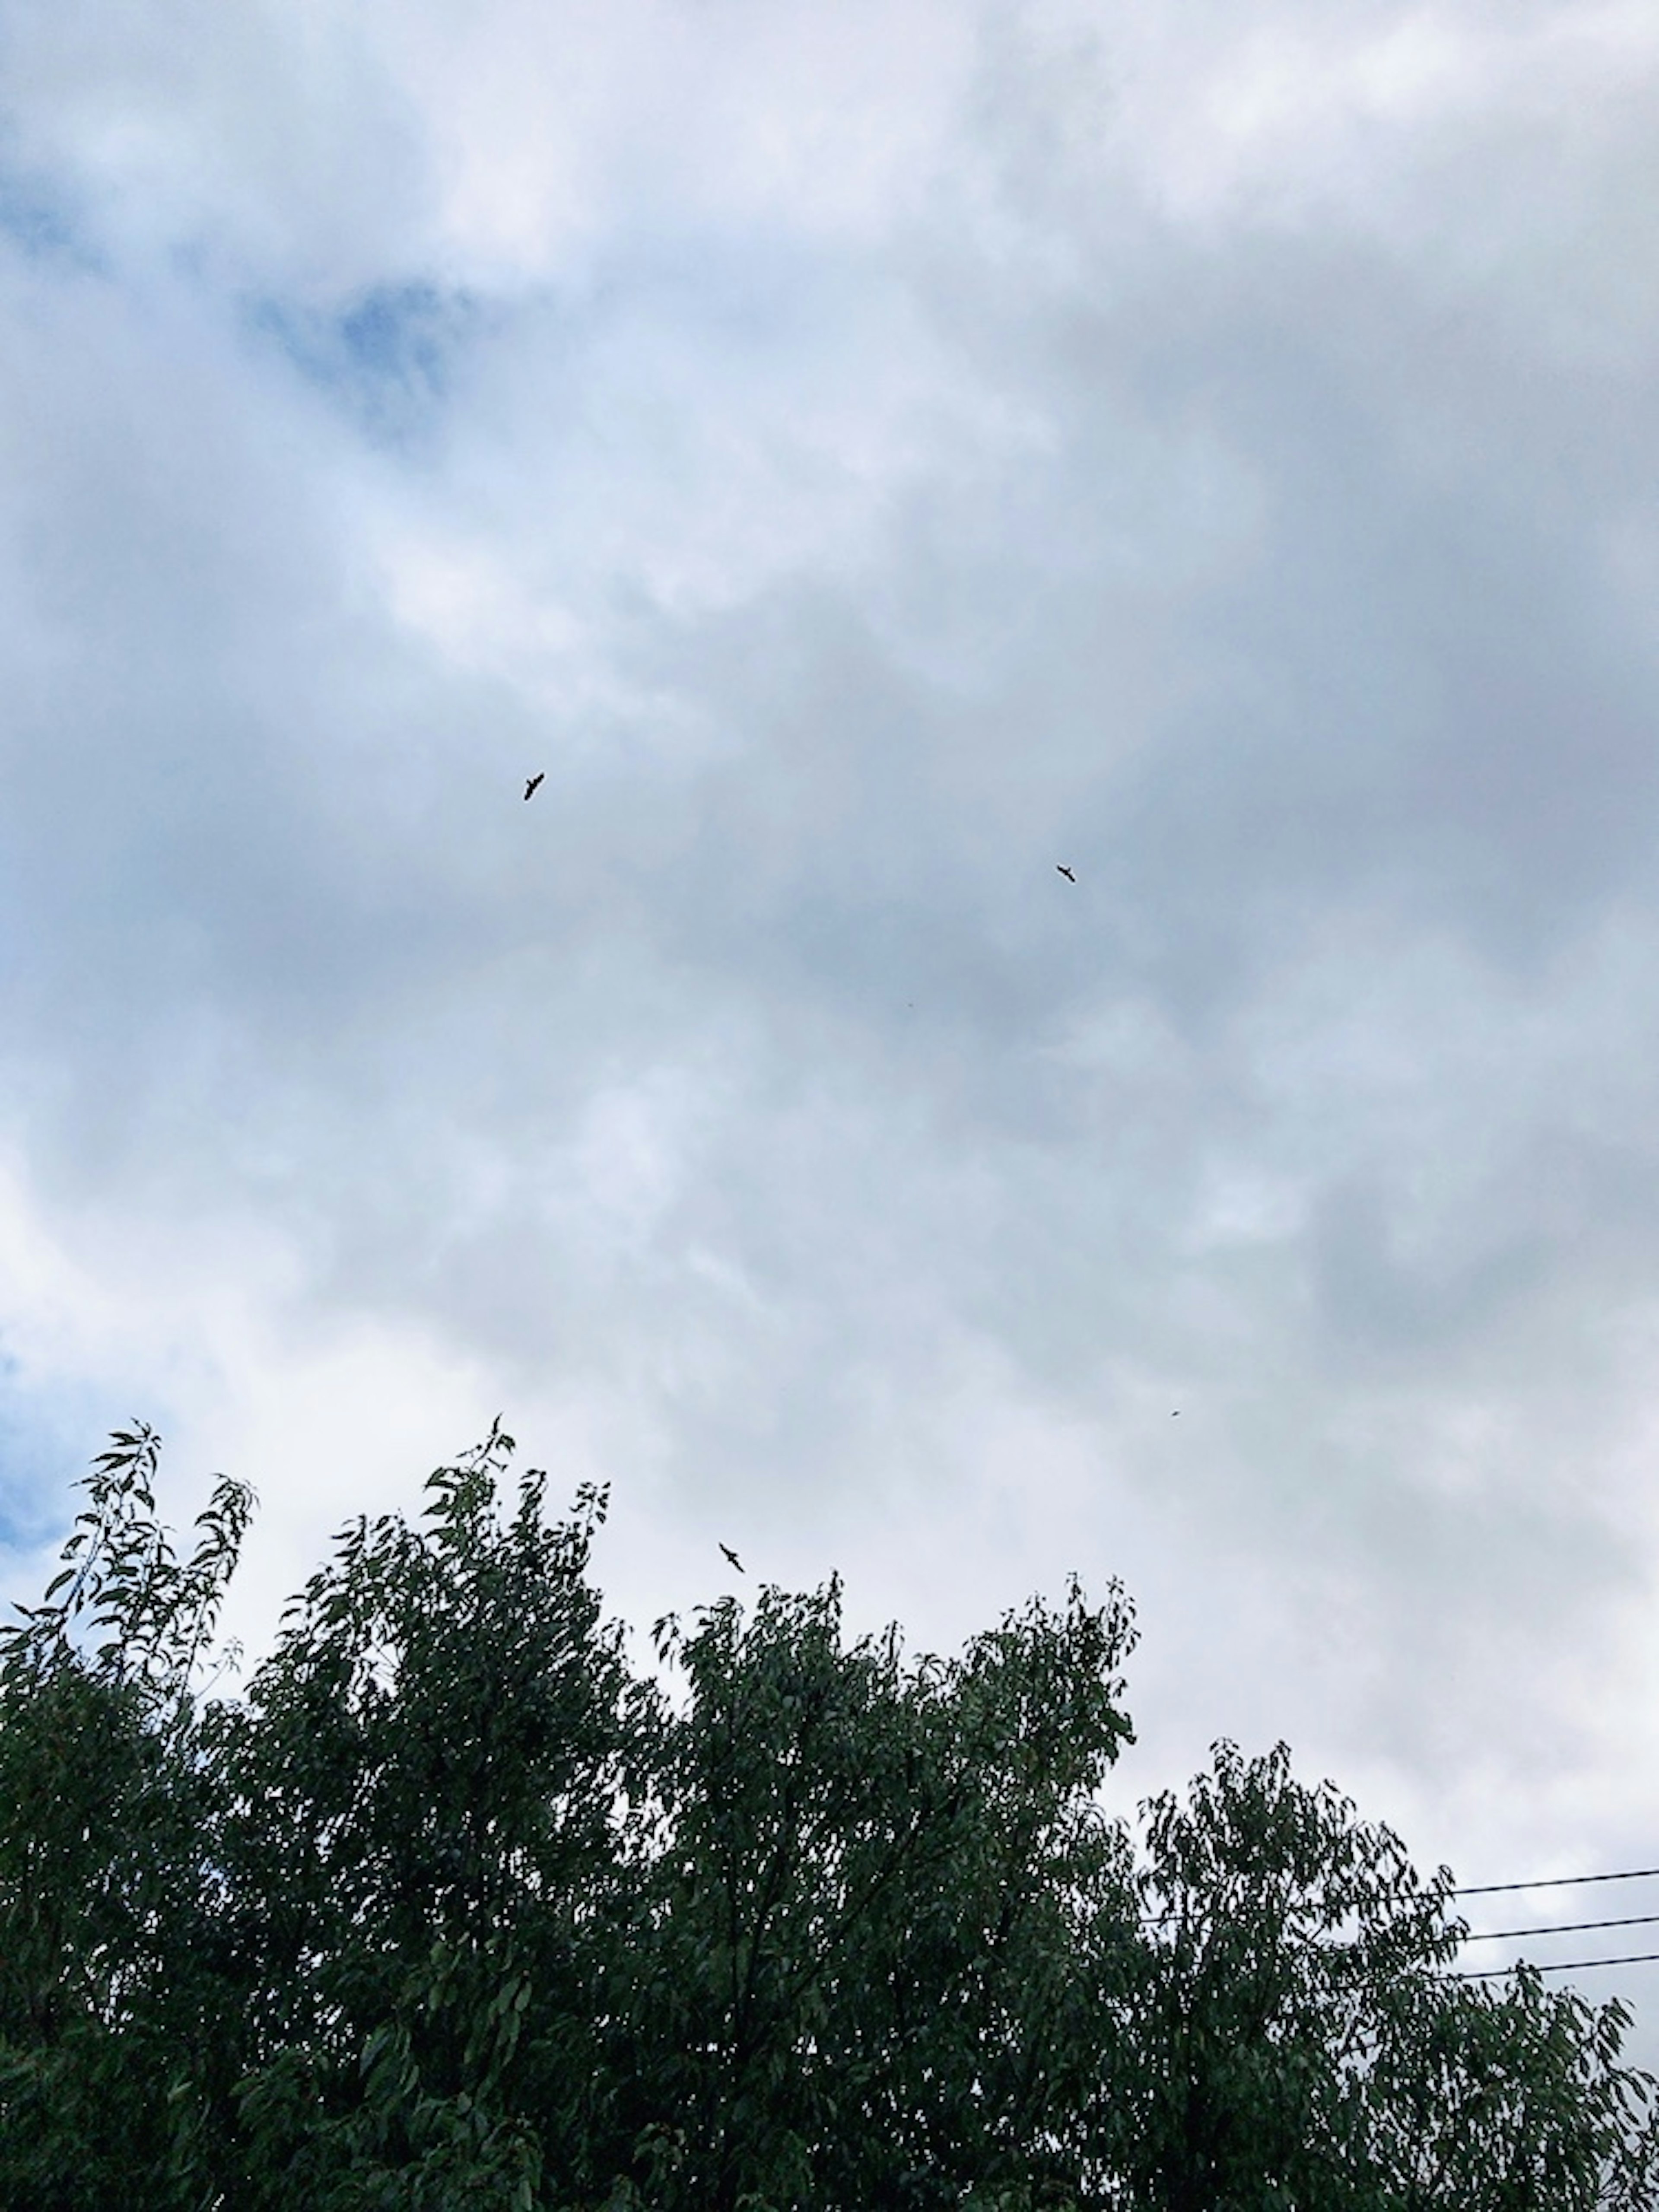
x=1560 y=1928
x=1557 y=1966
x=1557 y=1881
x=1523 y=1935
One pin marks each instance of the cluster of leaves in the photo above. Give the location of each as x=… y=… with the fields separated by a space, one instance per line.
x=453 y=1908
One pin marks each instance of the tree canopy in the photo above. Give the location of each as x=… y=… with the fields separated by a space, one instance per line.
x=453 y=1905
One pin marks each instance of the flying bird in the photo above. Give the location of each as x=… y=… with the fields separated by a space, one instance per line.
x=735 y=1560
x=529 y=787
x=1065 y=871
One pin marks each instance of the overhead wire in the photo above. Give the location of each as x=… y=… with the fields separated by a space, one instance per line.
x=1560 y=1928
x=1557 y=1928
x=1550 y=1966
x=1555 y=1881
x=1524 y=1935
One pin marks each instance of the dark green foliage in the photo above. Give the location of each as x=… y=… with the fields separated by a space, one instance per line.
x=1300 y=2043
x=869 y=1925
x=451 y=1908
x=106 y=1918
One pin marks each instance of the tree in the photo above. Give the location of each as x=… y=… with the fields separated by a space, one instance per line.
x=1300 y=2041
x=870 y=1960
x=106 y=1932
x=452 y=1907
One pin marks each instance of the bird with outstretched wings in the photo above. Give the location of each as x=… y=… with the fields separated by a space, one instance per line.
x=1064 y=871
x=530 y=785
x=735 y=1560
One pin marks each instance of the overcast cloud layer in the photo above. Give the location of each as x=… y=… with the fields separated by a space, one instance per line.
x=866 y=456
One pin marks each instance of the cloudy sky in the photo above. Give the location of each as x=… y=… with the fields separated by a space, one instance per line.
x=866 y=456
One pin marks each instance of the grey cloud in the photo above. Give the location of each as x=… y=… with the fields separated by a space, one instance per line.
x=762 y=1090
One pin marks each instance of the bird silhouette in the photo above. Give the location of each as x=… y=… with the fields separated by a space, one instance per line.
x=529 y=787
x=1064 y=871
x=735 y=1560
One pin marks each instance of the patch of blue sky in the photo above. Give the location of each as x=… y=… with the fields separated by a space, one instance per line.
x=37 y=220
x=388 y=356
x=47 y=1440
